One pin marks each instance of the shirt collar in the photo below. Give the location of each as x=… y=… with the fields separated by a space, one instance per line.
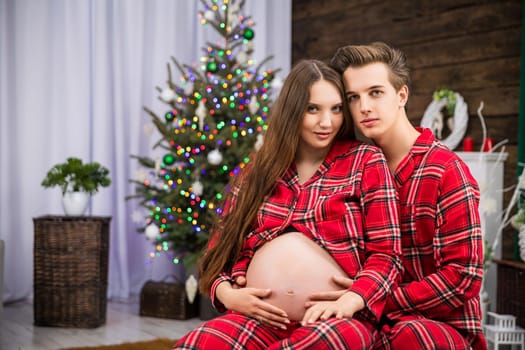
x=406 y=167
x=423 y=142
x=338 y=148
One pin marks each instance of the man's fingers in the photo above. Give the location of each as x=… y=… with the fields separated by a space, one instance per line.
x=311 y=316
x=309 y=304
x=344 y=282
x=327 y=296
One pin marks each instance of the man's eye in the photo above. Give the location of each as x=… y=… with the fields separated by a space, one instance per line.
x=352 y=98
x=376 y=92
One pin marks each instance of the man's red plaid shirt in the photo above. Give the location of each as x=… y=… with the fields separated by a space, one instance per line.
x=441 y=239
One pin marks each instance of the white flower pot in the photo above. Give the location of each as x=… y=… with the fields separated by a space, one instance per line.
x=484 y=305
x=75 y=203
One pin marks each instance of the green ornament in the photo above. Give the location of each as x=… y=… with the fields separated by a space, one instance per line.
x=168 y=159
x=211 y=67
x=248 y=34
x=169 y=116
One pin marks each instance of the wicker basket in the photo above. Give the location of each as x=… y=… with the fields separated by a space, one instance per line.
x=166 y=300
x=70 y=270
x=206 y=309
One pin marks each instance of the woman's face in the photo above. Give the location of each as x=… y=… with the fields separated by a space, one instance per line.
x=323 y=118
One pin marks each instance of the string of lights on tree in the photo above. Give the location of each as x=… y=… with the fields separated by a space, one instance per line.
x=215 y=118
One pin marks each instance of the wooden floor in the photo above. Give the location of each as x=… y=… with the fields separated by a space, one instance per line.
x=123 y=324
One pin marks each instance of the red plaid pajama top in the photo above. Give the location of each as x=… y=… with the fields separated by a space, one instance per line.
x=441 y=239
x=350 y=208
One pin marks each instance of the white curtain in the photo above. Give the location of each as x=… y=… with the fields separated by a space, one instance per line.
x=74 y=76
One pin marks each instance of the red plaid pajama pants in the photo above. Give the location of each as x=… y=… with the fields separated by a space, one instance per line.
x=424 y=334
x=236 y=331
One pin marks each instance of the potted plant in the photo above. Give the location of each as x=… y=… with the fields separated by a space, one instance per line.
x=78 y=181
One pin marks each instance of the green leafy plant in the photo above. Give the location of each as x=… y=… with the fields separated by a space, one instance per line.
x=76 y=176
x=449 y=95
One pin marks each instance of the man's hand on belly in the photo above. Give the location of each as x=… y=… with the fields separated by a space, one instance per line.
x=343 y=282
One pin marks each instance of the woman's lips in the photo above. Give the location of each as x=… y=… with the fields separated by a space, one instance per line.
x=323 y=135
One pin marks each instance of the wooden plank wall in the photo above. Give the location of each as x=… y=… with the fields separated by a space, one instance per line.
x=472 y=47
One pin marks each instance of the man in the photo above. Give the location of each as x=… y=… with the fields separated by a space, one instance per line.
x=437 y=304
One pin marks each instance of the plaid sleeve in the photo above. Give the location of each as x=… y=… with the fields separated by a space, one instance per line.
x=241 y=266
x=457 y=247
x=223 y=277
x=239 y=269
x=382 y=265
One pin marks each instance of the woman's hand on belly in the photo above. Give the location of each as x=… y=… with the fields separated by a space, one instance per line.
x=249 y=301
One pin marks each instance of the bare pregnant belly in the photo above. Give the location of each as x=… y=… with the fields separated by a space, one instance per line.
x=293 y=267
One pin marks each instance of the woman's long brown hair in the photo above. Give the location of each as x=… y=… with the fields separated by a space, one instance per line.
x=267 y=166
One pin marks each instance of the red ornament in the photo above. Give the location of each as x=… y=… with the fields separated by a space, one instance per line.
x=488 y=145
x=468 y=144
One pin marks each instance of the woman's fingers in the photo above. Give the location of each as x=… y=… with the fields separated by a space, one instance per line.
x=260 y=293
x=273 y=320
x=272 y=315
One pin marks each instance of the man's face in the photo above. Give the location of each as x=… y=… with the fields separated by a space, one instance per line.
x=374 y=103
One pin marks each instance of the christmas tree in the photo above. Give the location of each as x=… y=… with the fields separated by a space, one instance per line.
x=214 y=119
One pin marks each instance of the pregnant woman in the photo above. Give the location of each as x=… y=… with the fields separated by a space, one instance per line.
x=313 y=203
